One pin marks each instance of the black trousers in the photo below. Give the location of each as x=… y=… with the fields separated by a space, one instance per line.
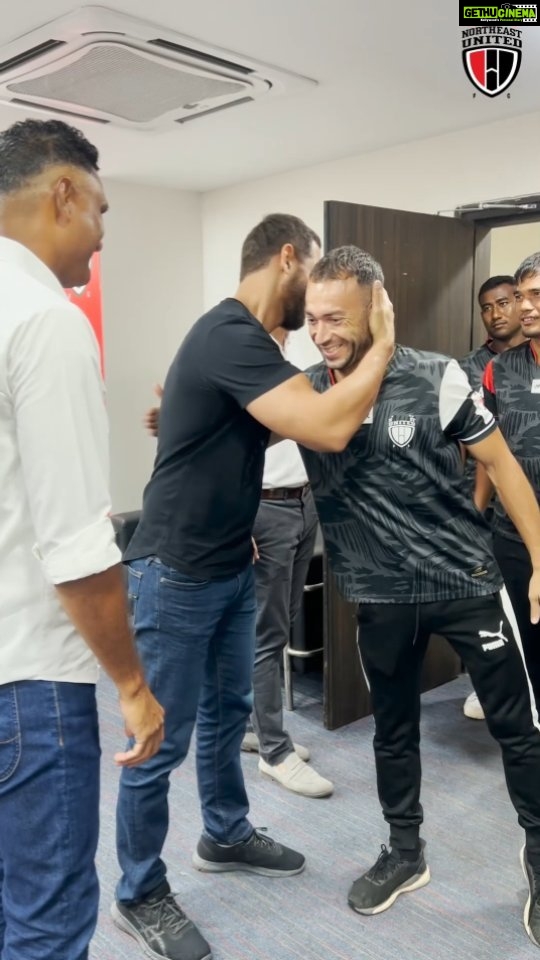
x=515 y=566
x=392 y=641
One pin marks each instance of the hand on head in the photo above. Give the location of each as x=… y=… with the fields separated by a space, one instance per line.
x=381 y=315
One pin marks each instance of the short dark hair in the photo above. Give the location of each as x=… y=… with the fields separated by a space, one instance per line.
x=29 y=146
x=493 y=282
x=348 y=261
x=529 y=267
x=270 y=235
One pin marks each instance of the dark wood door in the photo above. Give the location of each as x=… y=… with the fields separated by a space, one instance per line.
x=433 y=266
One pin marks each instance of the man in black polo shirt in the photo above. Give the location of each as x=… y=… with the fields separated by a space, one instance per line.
x=406 y=543
x=191 y=572
x=501 y=321
x=512 y=393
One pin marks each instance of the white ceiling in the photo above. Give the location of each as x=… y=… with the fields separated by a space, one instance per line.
x=387 y=73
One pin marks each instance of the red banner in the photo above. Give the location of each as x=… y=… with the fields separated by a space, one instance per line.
x=88 y=298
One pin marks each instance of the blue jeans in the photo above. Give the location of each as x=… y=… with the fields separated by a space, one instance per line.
x=196 y=640
x=49 y=797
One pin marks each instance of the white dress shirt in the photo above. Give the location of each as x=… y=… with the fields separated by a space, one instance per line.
x=54 y=500
x=283 y=465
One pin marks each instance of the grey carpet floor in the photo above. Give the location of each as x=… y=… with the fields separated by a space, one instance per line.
x=471 y=910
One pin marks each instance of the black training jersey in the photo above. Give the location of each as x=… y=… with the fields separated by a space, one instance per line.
x=512 y=393
x=475 y=362
x=398 y=525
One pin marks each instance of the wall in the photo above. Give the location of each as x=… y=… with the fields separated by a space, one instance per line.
x=510 y=245
x=428 y=176
x=152 y=293
x=170 y=254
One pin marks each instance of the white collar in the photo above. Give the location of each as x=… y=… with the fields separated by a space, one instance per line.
x=11 y=251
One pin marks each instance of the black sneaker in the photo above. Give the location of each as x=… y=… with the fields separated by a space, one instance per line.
x=161 y=927
x=377 y=889
x=531 y=914
x=259 y=854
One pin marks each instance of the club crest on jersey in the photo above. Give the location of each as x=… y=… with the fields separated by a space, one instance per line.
x=401 y=430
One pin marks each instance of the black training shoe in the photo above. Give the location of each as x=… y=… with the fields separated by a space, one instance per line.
x=161 y=927
x=531 y=914
x=377 y=889
x=259 y=854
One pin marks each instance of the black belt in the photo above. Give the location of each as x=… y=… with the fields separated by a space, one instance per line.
x=285 y=493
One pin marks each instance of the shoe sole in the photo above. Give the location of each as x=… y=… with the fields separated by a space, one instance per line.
x=211 y=866
x=123 y=924
x=301 y=793
x=414 y=883
x=526 y=923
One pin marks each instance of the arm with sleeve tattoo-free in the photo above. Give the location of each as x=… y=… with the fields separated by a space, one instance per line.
x=519 y=501
x=499 y=470
x=62 y=441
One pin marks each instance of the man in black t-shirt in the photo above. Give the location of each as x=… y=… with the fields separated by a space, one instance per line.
x=501 y=321
x=512 y=393
x=190 y=566
x=406 y=544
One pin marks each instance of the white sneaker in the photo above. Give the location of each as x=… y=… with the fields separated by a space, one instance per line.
x=294 y=774
x=250 y=744
x=472 y=708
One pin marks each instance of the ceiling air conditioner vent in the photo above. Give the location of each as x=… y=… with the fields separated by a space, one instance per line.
x=203 y=57
x=110 y=68
x=28 y=105
x=21 y=58
x=224 y=106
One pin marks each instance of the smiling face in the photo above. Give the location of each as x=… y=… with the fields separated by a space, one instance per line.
x=499 y=312
x=528 y=304
x=337 y=315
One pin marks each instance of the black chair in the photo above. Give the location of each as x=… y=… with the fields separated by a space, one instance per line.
x=125 y=525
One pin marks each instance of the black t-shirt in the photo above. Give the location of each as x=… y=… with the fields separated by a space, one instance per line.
x=398 y=526
x=200 y=503
x=512 y=393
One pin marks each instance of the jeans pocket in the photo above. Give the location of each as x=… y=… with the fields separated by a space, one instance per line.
x=10 y=731
x=134 y=586
x=171 y=577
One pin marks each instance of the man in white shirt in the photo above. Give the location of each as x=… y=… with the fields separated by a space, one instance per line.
x=285 y=530
x=62 y=601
